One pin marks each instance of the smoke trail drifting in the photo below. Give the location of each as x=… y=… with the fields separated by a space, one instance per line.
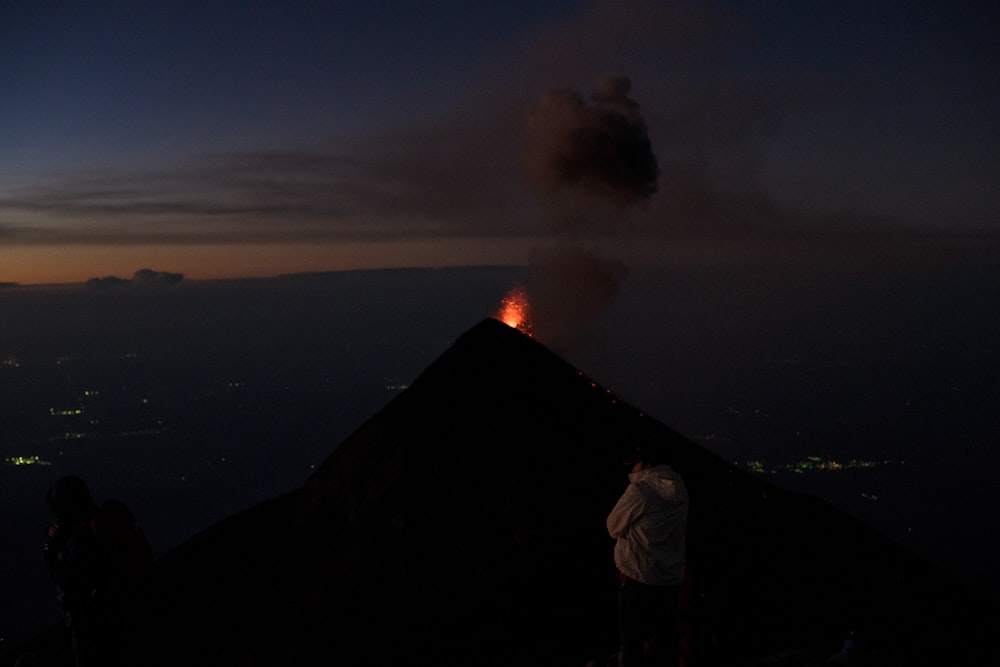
x=588 y=159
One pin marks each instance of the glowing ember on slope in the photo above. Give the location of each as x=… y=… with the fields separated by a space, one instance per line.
x=514 y=311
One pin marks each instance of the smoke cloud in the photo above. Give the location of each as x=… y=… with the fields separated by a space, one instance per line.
x=592 y=162
x=568 y=286
x=595 y=161
x=601 y=149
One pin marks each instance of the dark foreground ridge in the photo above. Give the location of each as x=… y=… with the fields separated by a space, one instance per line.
x=463 y=524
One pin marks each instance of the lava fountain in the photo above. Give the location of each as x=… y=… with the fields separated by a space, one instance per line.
x=515 y=311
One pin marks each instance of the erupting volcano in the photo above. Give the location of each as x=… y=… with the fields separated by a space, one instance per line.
x=514 y=310
x=589 y=162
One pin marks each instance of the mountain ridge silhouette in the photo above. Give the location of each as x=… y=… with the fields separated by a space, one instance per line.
x=463 y=523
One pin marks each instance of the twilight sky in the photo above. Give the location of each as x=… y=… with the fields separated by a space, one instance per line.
x=220 y=138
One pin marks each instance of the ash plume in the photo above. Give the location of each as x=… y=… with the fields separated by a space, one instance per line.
x=568 y=286
x=590 y=163
x=600 y=150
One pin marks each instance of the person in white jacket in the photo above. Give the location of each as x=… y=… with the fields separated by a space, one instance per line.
x=649 y=522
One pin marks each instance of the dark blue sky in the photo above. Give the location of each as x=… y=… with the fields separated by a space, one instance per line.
x=229 y=138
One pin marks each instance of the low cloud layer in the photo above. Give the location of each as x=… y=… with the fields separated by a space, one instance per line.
x=386 y=187
x=141 y=278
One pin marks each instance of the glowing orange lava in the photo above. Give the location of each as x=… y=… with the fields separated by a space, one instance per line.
x=514 y=310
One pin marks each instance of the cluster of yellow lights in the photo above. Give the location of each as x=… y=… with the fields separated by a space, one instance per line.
x=25 y=461
x=814 y=464
x=70 y=412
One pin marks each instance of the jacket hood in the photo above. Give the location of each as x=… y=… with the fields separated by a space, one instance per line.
x=69 y=499
x=660 y=479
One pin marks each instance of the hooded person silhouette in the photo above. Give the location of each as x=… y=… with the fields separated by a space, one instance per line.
x=649 y=522
x=95 y=555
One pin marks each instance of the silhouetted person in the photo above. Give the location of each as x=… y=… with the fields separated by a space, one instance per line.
x=95 y=556
x=649 y=522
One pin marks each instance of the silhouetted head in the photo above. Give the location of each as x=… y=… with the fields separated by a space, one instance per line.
x=650 y=452
x=69 y=500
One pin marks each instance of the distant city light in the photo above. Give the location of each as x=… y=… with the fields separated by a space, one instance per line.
x=26 y=461
x=814 y=464
x=68 y=412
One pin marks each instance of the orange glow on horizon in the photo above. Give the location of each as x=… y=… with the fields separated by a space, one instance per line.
x=72 y=264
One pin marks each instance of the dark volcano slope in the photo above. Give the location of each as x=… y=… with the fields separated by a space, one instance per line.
x=463 y=524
